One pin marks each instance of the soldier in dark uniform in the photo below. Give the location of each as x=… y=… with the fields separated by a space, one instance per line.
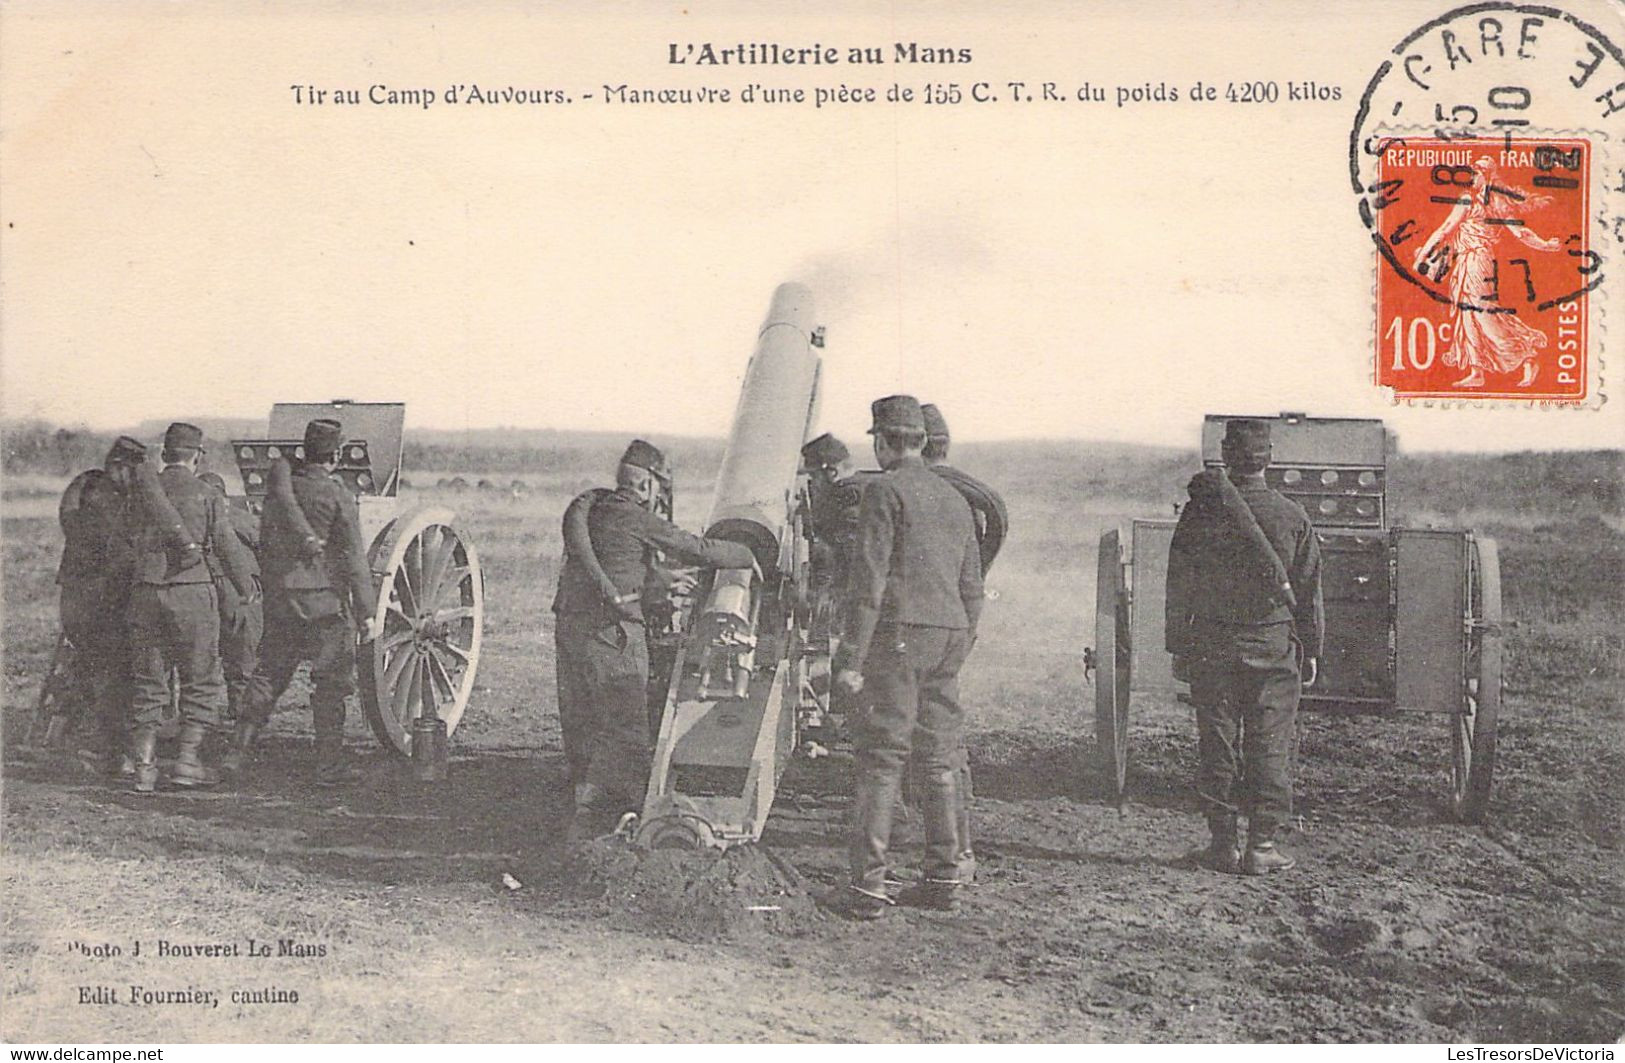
x=992 y=525
x=912 y=600
x=827 y=463
x=1244 y=624
x=603 y=658
x=319 y=594
x=660 y=612
x=95 y=581
x=242 y=620
x=992 y=518
x=180 y=532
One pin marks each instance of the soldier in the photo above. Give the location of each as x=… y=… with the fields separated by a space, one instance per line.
x=603 y=658
x=319 y=594
x=242 y=620
x=909 y=616
x=179 y=532
x=992 y=518
x=95 y=582
x=659 y=613
x=827 y=463
x=1244 y=625
x=992 y=525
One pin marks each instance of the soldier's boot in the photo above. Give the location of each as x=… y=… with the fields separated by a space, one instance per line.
x=110 y=760
x=189 y=771
x=144 y=750
x=595 y=815
x=855 y=903
x=1223 y=853
x=116 y=739
x=875 y=799
x=1264 y=858
x=242 y=746
x=966 y=860
x=945 y=831
x=333 y=768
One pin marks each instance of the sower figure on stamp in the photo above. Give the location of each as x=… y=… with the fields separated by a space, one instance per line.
x=180 y=536
x=992 y=525
x=319 y=594
x=603 y=657
x=913 y=597
x=1464 y=247
x=95 y=581
x=1245 y=622
x=242 y=620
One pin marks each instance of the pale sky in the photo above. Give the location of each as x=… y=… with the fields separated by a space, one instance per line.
x=181 y=238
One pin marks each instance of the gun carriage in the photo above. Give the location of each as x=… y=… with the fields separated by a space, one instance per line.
x=430 y=590
x=1413 y=616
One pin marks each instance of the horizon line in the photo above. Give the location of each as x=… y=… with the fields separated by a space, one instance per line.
x=7 y=423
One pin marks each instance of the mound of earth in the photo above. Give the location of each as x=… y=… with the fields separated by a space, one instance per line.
x=695 y=895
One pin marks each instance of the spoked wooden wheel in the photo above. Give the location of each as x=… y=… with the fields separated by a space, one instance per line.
x=1472 y=730
x=1112 y=660
x=431 y=602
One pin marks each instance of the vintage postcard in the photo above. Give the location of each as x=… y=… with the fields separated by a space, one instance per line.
x=727 y=522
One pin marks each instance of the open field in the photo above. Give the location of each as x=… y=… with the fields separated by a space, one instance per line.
x=1087 y=922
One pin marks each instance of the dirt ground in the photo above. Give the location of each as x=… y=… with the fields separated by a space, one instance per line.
x=454 y=912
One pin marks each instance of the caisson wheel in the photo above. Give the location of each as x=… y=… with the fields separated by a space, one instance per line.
x=1112 y=663
x=1472 y=729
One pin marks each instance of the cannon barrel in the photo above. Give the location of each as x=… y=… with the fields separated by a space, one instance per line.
x=731 y=717
x=754 y=502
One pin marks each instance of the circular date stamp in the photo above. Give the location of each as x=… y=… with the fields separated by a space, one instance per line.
x=1485 y=163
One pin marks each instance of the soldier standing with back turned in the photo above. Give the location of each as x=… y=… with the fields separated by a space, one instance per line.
x=180 y=533
x=242 y=620
x=319 y=593
x=95 y=582
x=1244 y=624
x=992 y=525
x=913 y=597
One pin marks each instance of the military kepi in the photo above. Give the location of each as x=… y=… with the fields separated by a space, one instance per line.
x=645 y=455
x=181 y=437
x=126 y=450
x=936 y=425
x=323 y=437
x=825 y=450
x=897 y=412
x=1247 y=438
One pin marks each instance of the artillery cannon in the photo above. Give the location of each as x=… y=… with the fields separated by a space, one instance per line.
x=750 y=680
x=1413 y=616
x=431 y=592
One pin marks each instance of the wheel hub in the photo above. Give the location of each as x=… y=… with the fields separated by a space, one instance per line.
x=428 y=628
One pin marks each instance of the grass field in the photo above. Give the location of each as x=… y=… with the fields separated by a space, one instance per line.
x=1087 y=923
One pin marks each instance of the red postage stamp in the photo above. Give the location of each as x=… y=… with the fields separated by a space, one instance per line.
x=1484 y=268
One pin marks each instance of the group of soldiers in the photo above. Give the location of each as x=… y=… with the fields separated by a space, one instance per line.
x=165 y=587
x=905 y=563
x=1244 y=619
x=171 y=597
